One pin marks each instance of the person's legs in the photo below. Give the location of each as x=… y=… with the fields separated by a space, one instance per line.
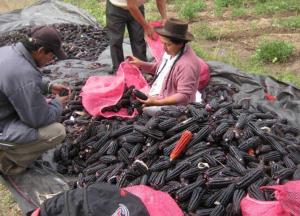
x=116 y=21
x=18 y=158
x=136 y=36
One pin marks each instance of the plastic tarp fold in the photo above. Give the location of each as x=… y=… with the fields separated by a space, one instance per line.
x=45 y=12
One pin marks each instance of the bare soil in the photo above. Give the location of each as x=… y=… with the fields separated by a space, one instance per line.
x=244 y=34
x=10 y=5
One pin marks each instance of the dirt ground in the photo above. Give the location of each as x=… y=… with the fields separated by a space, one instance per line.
x=244 y=34
x=9 y=5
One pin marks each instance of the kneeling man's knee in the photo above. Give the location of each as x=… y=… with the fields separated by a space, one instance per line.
x=55 y=132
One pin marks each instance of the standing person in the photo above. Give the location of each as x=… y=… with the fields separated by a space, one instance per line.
x=177 y=74
x=130 y=13
x=28 y=124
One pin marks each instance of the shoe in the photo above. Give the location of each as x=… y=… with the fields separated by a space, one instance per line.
x=112 y=71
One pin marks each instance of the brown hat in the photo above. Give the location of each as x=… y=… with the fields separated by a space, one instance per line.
x=175 y=28
x=49 y=38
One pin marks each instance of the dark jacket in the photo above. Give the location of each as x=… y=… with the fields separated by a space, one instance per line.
x=23 y=108
x=96 y=199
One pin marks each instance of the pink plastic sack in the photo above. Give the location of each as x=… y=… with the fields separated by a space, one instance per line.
x=155 y=44
x=253 y=207
x=288 y=202
x=288 y=196
x=157 y=50
x=204 y=74
x=158 y=203
x=104 y=91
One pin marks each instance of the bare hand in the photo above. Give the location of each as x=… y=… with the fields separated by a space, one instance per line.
x=58 y=88
x=149 y=31
x=63 y=99
x=64 y=91
x=135 y=61
x=151 y=101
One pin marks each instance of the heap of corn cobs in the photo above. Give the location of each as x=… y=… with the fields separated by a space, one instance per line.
x=79 y=41
x=206 y=156
x=73 y=113
x=128 y=101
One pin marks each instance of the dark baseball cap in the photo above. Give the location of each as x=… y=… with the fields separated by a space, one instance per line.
x=49 y=38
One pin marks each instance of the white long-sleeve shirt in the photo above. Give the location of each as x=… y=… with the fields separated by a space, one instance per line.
x=163 y=71
x=123 y=3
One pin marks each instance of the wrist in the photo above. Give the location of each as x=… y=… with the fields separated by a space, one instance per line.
x=146 y=26
x=157 y=102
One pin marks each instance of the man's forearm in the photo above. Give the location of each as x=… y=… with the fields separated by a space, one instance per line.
x=136 y=13
x=162 y=8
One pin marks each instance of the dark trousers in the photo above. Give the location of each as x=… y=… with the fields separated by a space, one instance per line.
x=117 y=19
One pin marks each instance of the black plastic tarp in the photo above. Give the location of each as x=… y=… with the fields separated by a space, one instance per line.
x=287 y=103
x=45 y=12
x=41 y=181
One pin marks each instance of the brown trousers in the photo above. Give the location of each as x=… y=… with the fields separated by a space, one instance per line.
x=16 y=159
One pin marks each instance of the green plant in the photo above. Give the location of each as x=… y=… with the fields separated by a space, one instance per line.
x=274 y=51
x=290 y=77
x=206 y=32
x=94 y=7
x=290 y=22
x=231 y=57
x=189 y=9
x=8 y=206
x=253 y=25
x=272 y=6
x=220 y=4
x=227 y=3
x=200 y=52
x=238 y=12
x=152 y=13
